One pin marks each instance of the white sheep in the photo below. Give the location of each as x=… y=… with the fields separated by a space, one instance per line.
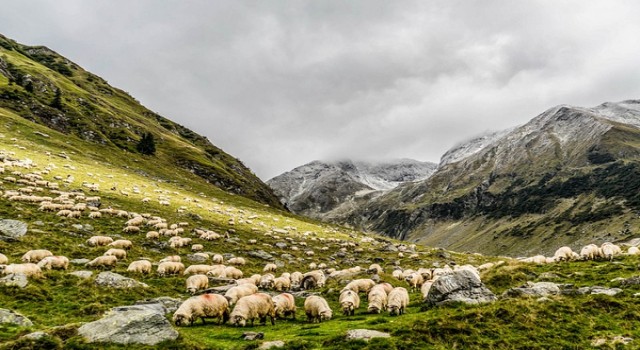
x=253 y=306
x=281 y=284
x=140 y=266
x=197 y=282
x=153 y=235
x=236 y=261
x=121 y=254
x=397 y=301
x=217 y=271
x=630 y=251
x=171 y=258
x=296 y=278
x=590 y=252
x=3 y=259
x=284 y=305
x=424 y=290
x=197 y=270
x=121 y=243
x=103 y=262
x=267 y=281
x=377 y=299
x=563 y=254
x=197 y=248
x=202 y=306
x=414 y=280
x=313 y=279
x=349 y=301
x=374 y=269
x=27 y=269
x=232 y=272
x=242 y=290
x=54 y=262
x=362 y=285
x=270 y=267
x=33 y=256
x=317 y=309
x=609 y=250
x=170 y=268
x=218 y=259
x=96 y=241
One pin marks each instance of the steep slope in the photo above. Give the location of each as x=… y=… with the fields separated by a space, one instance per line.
x=40 y=85
x=327 y=190
x=568 y=176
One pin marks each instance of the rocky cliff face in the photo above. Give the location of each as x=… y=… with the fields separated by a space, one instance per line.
x=569 y=174
x=328 y=190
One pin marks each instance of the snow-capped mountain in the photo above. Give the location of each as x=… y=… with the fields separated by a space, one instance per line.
x=323 y=189
x=571 y=175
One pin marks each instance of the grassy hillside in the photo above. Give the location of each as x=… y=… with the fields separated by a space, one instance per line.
x=39 y=85
x=59 y=303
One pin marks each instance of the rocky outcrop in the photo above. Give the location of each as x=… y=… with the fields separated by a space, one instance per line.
x=114 y=280
x=14 y=280
x=13 y=228
x=366 y=334
x=139 y=324
x=539 y=289
x=460 y=286
x=12 y=317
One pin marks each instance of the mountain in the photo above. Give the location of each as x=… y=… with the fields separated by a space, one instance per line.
x=568 y=176
x=327 y=190
x=42 y=86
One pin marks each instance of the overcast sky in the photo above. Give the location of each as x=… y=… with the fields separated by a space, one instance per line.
x=281 y=83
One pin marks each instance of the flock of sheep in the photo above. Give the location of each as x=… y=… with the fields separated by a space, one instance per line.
x=606 y=251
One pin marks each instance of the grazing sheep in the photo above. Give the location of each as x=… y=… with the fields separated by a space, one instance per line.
x=270 y=268
x=374 y=269
x=121 y=254
x=631 y=251
x=197 y=248
x=486 y=266
x=27 y=269
x=296 y=278
x=414 y=280
x=170 y=268
x=538 y=259
x=397 y=274
x=397 y=301
x=95 y=215
x=236 y=261
x=97 y=241
x=121 y=243
x=284 y=305
x=232 y=272
x=153 y=235
x=140 y=266
x=218 y=259
x=54 y=262
x=313 y=266
x=171 y=258
x=590 y=252
x=563 y=254
x=253 y=306
x=197 y=282
x=313 y=279
x=362 y=285
x=609 y=250
x=217 y=271
x=267 y=281
x=131 y=229
x=349 y=301
x=317 y=309
x=386 y=286
x=245 y=281
x=197 y=270
x=242 y=290
x=33 y=256
x=103 y=261
x=202 y=306
x=424 y=290
x=3 y=259
x=377 y=298
x=281 y=284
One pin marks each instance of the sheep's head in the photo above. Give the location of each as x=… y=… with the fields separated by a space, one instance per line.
x=181 y=320
x=373 y=309
x=325 y=315
x=394 y=310
x=192 y=290
x=346 y=306
x=2 y=268
x=238 y=320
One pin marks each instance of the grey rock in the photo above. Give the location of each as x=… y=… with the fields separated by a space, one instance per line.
x=548 y=276
x=87 y=227
x=14 y=280
x=365 y=334
x=303 y=294
x=79 y=261
x=539 y=289
x=12 y=317
x=139 y=324
x=287 y=256
x=218 y=290
x=170 y=304
x=228 y=256
x=38 y=223
x=390 y=248
x=460 y=286
x=260 y=254
x=196 y=258
x=271 y=344
x=114 y=280
x=603 y=290
x=84 y=274
x=279 y=263
x=13 y=228
x=252 y=335
x=281 y=245
x=632 y=281
x=36 y=335
x=77 y=226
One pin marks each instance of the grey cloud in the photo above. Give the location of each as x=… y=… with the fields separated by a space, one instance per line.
x=280 y=83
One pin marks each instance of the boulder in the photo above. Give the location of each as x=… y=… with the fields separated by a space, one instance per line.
x=13 y=228
x=138 y=324
x=281 y=245
x=84 y=274
x=539 y=289
x=460 y=286
x=12 y=317
x=365 y=334
x=170 y=304
x=114 y=280
x=260 y=254
x=14 y=280
x=196 y=258
x=252 y=335
x=599 y=290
